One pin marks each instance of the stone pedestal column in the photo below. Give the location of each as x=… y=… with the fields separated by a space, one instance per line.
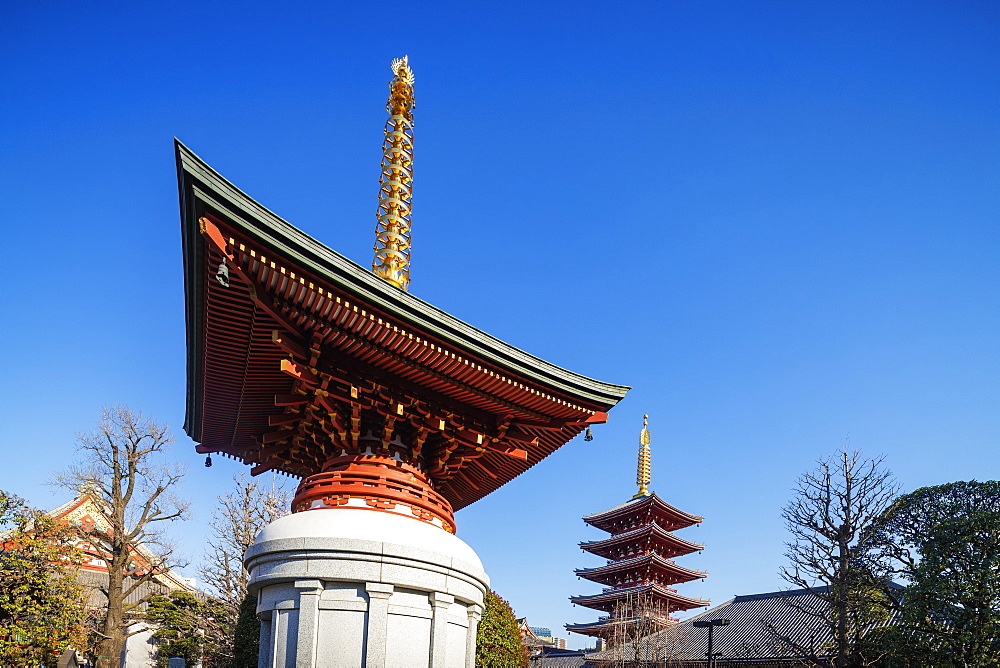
x=441 y=605
x=309 y=592
x=377 y=636
x=350 y=588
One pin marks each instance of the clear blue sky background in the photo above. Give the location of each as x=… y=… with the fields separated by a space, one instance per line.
x=777 y=221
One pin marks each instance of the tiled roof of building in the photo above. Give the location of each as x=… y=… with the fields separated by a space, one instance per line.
x=756 y=620
x=635 y=504
x=93 y=574
x=551 y=657
x=605 y=600
x=513 y=409
x=95 y=582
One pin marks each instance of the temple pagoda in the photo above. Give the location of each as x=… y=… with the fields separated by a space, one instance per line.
x=639 y=597
x=393 y=413
x=302 y=362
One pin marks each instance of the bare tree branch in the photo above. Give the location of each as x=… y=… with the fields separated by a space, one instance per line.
x=834 y=553
x=120 y=466
x=249 y=506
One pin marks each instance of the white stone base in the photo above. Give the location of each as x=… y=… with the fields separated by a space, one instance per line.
x=352 y=588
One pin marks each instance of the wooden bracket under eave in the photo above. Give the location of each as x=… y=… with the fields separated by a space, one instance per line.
x=597 y=418
x=285 y=342
x=300 y=372
x=211 y=232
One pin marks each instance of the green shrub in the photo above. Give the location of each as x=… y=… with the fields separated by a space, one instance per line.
x=498 y=641
x=246 y=639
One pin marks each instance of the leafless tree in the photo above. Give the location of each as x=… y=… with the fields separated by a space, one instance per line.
x=242 y=512
x=121 y=464
x=833 y=554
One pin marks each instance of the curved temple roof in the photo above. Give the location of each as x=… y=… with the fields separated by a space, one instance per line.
x=670 y=571
x=666 y=543
x=606 y=600
x=236 y=374
x=665 y=515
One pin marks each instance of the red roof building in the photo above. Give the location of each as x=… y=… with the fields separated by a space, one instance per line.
x=91 y=517
x=640 y=571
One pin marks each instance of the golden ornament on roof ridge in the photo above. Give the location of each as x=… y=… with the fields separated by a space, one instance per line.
x=395 y=198
x=642 y=473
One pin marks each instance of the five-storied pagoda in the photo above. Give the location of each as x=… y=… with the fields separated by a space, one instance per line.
x=640 y=568
x=393 y=413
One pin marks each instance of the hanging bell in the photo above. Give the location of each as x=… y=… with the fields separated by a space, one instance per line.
x=208 y=461
x=222 y=275
x=589 y=435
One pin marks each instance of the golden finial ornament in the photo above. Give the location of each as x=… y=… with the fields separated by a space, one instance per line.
x=395 y=197
x=642 y=472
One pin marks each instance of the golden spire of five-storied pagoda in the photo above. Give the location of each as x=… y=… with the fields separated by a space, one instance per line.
x=642 y=471
x=392 y=232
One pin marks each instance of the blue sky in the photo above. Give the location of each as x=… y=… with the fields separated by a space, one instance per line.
x=777 y=222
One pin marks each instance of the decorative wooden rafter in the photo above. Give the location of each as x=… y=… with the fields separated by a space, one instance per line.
x=330 y=404
x=351 y=363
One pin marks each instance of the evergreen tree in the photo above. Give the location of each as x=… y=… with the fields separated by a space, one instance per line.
x=945 y=540
x=184 y=628
x=498 y=640
x=246 y=641
x=41 y=604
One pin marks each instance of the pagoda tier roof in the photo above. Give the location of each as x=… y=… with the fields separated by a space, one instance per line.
x=645 y=509
x=607 y=625
x=667 y=571
x=657 y=538
x=285 y=337
x=607 y=599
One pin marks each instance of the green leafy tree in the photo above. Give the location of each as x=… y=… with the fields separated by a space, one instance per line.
x=945 y=540
x=185 y=627
x=177 y=620
x=246 y=640
x=41 y=604
x=498 y=640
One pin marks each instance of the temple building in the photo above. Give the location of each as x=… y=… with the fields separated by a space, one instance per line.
x=639 y=597
x=778 y=629
x=90 y=516
x=535 y=638
x=393 y=413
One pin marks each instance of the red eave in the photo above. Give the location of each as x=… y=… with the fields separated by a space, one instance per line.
x=606 y=600
x=608 y=625
x=307 y=303
x=665 y=570
x=242 y=367
x=642 y=511
x=651 y=537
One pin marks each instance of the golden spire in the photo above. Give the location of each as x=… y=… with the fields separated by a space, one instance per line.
x=392 y=232
x=642 y=471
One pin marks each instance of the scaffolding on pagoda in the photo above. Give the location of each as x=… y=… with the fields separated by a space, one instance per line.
x=638 y=598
